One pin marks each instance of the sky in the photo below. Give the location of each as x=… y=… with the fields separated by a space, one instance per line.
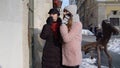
x=65 y=3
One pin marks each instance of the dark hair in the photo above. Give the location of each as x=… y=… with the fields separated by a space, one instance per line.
x=54 y=11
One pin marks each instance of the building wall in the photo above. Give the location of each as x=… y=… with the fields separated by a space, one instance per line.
x=25 y=45
x=94 y=11
x=109 y=12
x=105 y=10
x=101 y=14
x=13 y=36
x=112 y=7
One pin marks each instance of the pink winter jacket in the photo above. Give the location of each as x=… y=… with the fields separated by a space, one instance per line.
x=71 y=48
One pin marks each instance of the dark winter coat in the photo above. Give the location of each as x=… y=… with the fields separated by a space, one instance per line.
x=99 y=35
x=52 y=50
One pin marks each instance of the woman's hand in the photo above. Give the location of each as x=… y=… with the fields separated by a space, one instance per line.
x=65 y=19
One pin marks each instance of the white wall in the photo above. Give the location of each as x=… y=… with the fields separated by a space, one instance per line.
x=10 y=45
x=101 y=14
x=11 y=34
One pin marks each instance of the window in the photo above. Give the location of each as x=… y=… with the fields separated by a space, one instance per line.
x=114 y=12
x=115 y=21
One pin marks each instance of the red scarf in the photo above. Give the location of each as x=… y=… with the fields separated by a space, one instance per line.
x=54 y=27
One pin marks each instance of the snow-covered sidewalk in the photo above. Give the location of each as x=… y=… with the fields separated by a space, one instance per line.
x=89 y=63
x=113 y=46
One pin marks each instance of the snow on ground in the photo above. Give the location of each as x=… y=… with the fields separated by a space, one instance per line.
x=89 y=63
x=114 y=45
x=86 y=32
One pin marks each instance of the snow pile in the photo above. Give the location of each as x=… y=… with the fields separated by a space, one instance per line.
x=114 y=45
x=89 y=63
x=86 y=32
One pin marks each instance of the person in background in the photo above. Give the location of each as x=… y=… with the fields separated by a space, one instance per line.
x=95 y=30
x=71 y=32
x=52 y=57
x=99 y=34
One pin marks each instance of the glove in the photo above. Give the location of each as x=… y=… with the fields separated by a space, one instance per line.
x=76 y=18
x=49 y=20
x=65 y=19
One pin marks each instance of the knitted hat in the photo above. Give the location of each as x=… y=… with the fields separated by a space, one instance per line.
x=72 y=9
x=54 y=11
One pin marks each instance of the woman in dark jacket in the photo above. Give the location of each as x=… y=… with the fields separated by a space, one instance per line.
x=52 y=50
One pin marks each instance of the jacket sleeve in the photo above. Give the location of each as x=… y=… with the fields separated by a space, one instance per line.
x=45 y=32
x=69 y=36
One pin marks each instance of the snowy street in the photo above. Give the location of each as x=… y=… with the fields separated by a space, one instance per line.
x=113 y=47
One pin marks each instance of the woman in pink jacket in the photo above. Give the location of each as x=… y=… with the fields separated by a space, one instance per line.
x=71 y=32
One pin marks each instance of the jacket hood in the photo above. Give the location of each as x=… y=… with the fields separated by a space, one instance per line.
x=72 y=9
